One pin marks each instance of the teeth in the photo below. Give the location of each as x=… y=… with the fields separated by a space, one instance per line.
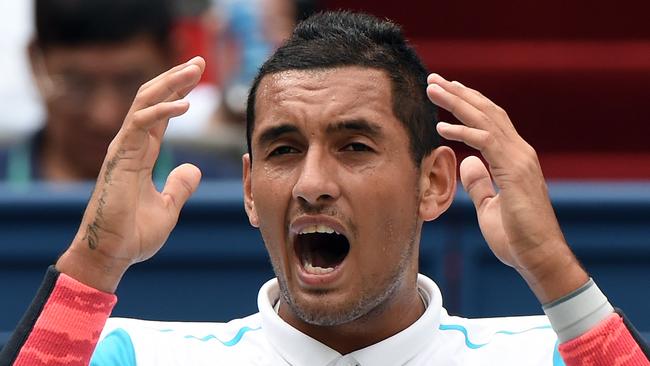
x=318 y=229
x=315 y=269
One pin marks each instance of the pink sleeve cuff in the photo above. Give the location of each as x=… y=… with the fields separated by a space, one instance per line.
x=69 y=326
x=608 y=344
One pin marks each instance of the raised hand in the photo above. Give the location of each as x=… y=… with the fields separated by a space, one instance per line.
x=516 y=219
x=127 y=220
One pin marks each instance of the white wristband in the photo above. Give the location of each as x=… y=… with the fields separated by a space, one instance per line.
x=578 y=312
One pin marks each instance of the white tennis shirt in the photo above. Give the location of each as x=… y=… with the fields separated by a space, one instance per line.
x=436 y=338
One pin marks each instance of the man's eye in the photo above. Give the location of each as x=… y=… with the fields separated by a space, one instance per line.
x=281 y=150
x=356 y=146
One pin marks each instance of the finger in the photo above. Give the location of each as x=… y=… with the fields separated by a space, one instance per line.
x=465 y=112
x=173 y=86
x=476 y=181
x=199 y=61
x=180 y=185
x=150 y=117
x=472 y=97
x=478 y=139
x=455 y=86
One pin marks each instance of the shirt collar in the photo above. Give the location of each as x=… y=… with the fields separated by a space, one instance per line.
x=299 y=349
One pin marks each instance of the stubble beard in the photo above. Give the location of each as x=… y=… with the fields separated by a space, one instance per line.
x=368 y=302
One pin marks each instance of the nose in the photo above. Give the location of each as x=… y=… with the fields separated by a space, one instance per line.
x=317 y=183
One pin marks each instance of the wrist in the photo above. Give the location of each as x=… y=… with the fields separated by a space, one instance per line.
x=555 y=275
x=92 y=268
x=575 y=314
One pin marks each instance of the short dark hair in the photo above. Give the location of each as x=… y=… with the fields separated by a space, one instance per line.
x=85 y=22
x=337 y=39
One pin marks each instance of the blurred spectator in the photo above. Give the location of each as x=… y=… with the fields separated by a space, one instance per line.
x=89 y=58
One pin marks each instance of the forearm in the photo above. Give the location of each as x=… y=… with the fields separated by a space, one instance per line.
x=61 y=326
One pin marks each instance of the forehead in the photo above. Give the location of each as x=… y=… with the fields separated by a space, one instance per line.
x=141 y=52
x=324 y=95
x=365 y=83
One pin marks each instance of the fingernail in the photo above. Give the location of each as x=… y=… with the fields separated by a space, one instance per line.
x=435 y=87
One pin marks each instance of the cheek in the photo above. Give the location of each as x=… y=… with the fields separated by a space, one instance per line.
x=277 y=175
x=271 y=199
x=390 y=224
x=271 y=228
x=387 y=214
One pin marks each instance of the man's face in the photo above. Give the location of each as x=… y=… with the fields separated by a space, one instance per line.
x=89 y=90
x=334 y=191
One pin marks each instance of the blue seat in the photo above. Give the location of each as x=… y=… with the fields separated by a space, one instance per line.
x=606 y=226
x=214 y=261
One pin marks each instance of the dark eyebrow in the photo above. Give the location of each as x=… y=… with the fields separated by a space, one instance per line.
x=274 y=132
x=360 y=125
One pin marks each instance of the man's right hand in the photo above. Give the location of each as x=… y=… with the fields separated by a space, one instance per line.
x=127 y=220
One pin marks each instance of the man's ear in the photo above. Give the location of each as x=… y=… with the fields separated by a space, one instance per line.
x=42 y=79
x=437 y=182
x=249 y=203
x=35 y=56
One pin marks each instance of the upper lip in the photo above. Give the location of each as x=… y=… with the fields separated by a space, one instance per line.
x=302 y=222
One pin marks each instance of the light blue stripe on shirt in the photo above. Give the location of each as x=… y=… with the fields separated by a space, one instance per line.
x=115 y=349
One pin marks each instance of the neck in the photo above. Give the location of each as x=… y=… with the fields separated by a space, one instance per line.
x=382 y=322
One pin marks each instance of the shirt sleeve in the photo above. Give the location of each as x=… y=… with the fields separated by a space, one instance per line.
x=610 y=343
x=61 y=326
x=591 y=333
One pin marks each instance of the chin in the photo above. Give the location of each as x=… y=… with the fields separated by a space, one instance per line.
x=328 y=309
x=325 y=314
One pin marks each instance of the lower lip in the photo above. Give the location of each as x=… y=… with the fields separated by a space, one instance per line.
x=311 y=280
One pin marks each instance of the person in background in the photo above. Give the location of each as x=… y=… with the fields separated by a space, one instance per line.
x=237 y=36
x=89 y=57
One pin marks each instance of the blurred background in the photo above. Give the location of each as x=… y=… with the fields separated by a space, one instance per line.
x=573 y=76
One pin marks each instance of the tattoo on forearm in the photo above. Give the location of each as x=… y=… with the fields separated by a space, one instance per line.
x=92 y=230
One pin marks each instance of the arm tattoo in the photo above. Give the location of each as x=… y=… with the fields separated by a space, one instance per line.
x=92 y=230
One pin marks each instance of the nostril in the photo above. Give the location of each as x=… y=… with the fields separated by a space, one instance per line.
x=318 y=205
x=315 y=192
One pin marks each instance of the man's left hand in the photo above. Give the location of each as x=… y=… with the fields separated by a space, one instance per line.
x=516 y=219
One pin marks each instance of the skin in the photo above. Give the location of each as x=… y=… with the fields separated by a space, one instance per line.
x=127 y=220
x=366 y=181
x=518 y=222
x=82 y=121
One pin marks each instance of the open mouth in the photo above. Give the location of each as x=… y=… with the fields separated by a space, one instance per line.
x=320 y=249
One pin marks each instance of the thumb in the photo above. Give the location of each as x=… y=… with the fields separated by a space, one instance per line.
x=476 y=181
x=180 y=185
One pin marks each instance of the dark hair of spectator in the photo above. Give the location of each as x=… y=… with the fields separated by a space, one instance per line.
x=338 y=39
x=84 y=22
